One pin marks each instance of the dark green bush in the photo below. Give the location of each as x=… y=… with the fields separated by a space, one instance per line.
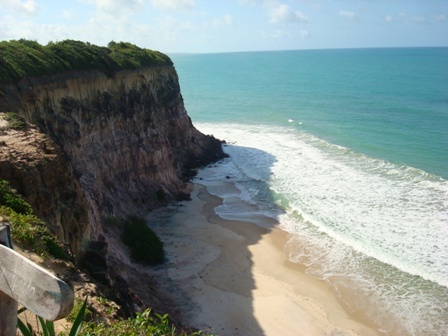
x=144 y=324
x=13 y=200
x=146 y=247
x=24 y=58
x=15 y=121
x=55 y=248
x=160 y=195
x=26 y=229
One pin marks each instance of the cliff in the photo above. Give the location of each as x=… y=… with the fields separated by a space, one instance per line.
x=127 y=139
x=36 y=167
x=103 y=145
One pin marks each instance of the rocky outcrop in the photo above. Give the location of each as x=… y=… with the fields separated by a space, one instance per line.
x=36 y=167
x=122 y=144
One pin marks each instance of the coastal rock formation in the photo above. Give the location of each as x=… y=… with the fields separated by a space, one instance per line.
x=105 y=145
x=37 y=169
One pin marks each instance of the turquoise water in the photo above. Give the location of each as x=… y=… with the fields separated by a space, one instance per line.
x=386 y=103
x=347 y=149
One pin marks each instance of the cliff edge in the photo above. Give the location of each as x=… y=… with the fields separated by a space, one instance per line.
x=99 y=143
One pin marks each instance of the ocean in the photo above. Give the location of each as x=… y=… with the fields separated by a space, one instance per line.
x=347 y=149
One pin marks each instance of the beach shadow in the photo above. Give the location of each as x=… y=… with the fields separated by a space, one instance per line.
x=209 y=269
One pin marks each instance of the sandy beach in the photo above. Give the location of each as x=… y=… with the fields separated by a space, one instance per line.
x=233 y=277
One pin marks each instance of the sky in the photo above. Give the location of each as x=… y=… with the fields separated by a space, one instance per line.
x=209 y=26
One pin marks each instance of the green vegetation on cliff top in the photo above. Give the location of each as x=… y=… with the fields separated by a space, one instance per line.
x=24 y=58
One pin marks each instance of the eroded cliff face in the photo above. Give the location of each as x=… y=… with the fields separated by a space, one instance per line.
x=126 y=141
x=36 y=167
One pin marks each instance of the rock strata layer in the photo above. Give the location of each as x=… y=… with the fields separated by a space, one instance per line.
x=102 y=146
x=36 y=167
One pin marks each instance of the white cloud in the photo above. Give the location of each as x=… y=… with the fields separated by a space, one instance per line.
x=317 y=7
x=304 y=33
x=226 y=20
x=11 y=28
x=347 y=14
x=69 y=15
x=23 y=7
x=169 y=26
x=174 y=5
x=440 y=18
x=118 y=10
x=389 y=18
x=277 y=34
x=115 y=5
x=282 y=13
x=164 y=33
x=112 y=15
x=412 y=19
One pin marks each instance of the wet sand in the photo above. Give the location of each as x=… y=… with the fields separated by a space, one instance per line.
x=234 y=278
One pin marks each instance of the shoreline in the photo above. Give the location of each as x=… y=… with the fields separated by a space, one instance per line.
x=233 y=277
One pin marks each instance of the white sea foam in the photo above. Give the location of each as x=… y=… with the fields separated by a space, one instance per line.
x=361 y=222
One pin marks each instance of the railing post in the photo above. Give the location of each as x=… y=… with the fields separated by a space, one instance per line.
x=8 y=315
x=8 y=306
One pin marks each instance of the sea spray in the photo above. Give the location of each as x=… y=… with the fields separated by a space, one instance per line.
x=374 y=230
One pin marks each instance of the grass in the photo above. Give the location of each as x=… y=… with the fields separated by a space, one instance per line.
x=12 y=200
x=27 y=229
x=143 y=324
x=47 y=327
x=146 y=247
x=25 y=58
x=79 y=306
x=15 y=121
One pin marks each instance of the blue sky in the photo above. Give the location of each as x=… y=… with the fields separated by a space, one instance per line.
x=230 y=25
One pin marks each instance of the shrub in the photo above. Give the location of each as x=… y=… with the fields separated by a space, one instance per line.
x=24 y=58
x=27 y=229
x=160 y=195
x=48 y=328
x=146 y=247
x=32 y=233
x=55 y=248
x=145 y=323
x=11 y=199
x=79 y=307
x=15 y=121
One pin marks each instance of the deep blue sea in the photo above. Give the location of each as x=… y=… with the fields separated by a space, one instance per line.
x=348 y=149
